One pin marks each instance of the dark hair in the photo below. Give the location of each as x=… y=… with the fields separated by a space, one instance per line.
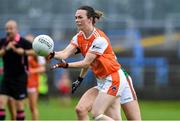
x=96 y=15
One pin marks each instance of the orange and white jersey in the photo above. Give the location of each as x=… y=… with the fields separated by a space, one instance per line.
x=99 y=44
x=32 y=77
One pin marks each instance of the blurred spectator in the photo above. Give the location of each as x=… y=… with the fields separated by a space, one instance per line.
x=36 y=67
x=64 y=88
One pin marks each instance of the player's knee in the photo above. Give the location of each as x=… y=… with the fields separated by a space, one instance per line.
x=81 y=110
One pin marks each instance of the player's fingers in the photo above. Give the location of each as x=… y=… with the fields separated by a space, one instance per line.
x=55 y=66
x=50 y=56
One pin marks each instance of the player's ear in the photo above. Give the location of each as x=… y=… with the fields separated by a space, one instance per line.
x=91 y=19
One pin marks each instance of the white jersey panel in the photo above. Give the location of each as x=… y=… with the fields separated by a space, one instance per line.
x=74 y=40
x=99 y=45
x=41 y=60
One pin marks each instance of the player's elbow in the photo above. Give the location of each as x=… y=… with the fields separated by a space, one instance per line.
x=86 y=64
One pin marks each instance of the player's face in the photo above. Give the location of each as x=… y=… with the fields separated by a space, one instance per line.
x=81 y=19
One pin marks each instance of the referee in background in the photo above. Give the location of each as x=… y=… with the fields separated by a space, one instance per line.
x=14 y=50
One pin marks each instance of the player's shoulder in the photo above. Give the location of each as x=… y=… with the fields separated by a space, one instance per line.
x=100 y=32
x=100 y=35
x=77 y=35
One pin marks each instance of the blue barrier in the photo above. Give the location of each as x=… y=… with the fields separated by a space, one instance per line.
x=160 y=64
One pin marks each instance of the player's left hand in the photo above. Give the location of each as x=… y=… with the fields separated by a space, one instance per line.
x=60 y=65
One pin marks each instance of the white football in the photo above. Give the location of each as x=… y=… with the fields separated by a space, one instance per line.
x=43 y=45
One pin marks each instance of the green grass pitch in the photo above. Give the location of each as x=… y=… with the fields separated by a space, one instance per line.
x=151 y=110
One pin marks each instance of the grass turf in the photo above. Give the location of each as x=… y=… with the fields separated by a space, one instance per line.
x=53 y=109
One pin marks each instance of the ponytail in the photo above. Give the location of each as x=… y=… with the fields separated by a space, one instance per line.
x=96 y=15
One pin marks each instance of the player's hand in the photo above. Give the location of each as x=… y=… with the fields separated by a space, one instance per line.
x=76 y=84
x=60 y=65
x=50 y=56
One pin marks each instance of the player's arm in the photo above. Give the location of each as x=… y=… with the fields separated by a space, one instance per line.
x=89 y=58
x=85 y=63
x=83 y=72
x=69 y=50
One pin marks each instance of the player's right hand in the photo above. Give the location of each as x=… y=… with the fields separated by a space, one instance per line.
x=76 y=84
x=50 y=56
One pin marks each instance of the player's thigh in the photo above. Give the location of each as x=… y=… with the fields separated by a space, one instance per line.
x=114 y=111
x=87 y=99
x=129 y=101
x=132 y=110
x=102 y=102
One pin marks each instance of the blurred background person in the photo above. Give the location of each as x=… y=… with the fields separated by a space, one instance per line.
x=64 y=88
x=36 y=67
x=11 y=101
x=14 y=50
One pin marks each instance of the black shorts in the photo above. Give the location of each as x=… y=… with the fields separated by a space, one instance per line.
x=14 y=87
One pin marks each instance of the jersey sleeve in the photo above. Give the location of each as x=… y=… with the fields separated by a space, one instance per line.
x=74 y=41
x=99 y=45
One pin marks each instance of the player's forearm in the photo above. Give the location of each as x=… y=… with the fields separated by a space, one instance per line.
x=61 y=55
x=89 y=58
x=79 y=64
x=68 y=51
x=83 y=72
